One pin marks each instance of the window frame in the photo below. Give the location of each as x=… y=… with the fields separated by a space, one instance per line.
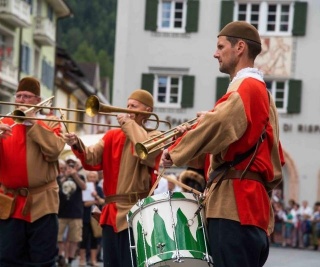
x=263 y=16
x=26 y=58
x=171 y=28
x=274 y=91
x=167 y=103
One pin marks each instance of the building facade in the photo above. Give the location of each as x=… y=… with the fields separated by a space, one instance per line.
x=167 y=47
x=28 y=47
x=27 y=43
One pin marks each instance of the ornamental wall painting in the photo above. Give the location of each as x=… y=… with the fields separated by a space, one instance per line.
x=276 y=56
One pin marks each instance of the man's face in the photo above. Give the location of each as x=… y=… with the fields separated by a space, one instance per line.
x=226 y=55
x=136 y=105
x=26 y=97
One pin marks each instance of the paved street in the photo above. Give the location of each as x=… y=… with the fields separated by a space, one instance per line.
x=283 y=257
x=288 y=257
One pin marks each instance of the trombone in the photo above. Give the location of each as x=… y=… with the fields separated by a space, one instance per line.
x=151 y=145
x=19 y=115
x=93 y=107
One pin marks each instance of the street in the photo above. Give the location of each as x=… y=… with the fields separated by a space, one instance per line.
x=281 y=257
x=289 y=257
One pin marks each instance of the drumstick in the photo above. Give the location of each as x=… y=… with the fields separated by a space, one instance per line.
x=188 y=188
x=156 y=182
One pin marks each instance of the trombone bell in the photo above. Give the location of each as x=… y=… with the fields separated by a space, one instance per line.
x=92 y=106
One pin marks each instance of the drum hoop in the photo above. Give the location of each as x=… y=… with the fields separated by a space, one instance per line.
x=159 y=201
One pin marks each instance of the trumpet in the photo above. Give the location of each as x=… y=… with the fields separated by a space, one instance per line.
x=151 y=145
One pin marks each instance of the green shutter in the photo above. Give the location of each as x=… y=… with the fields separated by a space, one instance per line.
x=300 y=18
x=147 y=82
x=187 y=91
x=150 y=23
x=222 y=86
x=226 y=13
x=294 y=98
x=192 y=15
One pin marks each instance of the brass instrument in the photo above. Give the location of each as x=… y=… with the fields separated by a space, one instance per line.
x=152 y=145
x=20 y=116
x=94 y=106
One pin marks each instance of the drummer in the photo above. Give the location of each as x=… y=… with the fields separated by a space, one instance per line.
x=127 y=178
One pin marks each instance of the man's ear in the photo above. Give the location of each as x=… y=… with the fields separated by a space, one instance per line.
x=240 y=46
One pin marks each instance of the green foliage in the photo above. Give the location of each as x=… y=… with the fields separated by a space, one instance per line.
x=89 y=35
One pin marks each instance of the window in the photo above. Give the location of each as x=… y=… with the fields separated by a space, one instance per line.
x=25 y=58
x=174 y=90
x=168 y=91
x=279 y=92
x=50 y=13
x=268 y=18
x=172 y=15
x=2 y=46
x=47 y=73
x=278 y=18
x=250 y=13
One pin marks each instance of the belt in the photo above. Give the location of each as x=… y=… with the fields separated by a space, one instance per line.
x=130 y=198
x=236 y=174
x=27 y=192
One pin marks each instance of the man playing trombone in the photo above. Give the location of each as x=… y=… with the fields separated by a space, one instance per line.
x=29 y=197
x=127 y=178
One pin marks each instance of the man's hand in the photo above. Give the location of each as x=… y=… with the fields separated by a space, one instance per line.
x=200 y=114
x=123 y=118
x=166 y=159
x=5 y=130
x=70 y=138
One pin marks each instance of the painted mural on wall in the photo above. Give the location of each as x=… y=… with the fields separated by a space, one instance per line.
x=276 y=56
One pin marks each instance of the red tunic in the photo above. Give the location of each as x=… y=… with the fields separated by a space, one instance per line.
x=29 y=158
x=124 y=172
x=232 y=128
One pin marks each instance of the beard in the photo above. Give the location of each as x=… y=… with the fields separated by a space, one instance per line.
x=228 y=66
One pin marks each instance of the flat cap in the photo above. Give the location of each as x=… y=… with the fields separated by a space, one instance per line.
x=241 y=29
x=142 y=96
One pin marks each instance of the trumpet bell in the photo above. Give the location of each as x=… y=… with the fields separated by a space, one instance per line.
x=141 y=150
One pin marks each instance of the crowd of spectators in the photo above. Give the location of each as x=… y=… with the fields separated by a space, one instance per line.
x=297 y=225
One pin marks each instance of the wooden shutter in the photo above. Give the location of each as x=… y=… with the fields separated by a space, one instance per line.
x=294 y=98
x=150 y=22
x=300 y=18
x=187 y=91
x=222 y=86
x=226 y=13
x=192 y=15
x=147 y=82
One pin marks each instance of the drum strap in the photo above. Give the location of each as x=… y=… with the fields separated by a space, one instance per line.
x=130 y=198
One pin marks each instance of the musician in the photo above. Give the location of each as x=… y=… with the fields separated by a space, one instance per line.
x=127 y=178
x=243 y=169
x=28 y=170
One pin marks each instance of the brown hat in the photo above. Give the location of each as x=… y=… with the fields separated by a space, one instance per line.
x=241 y=29
x=142 y=96
x=194 y=178
x=29 y=84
